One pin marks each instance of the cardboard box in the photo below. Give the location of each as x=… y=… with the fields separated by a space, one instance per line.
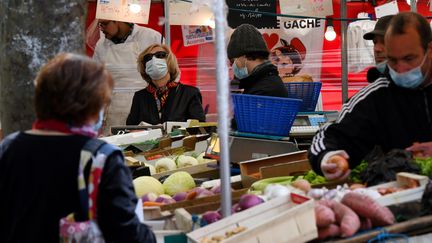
x=277 y=220
x=278 y=165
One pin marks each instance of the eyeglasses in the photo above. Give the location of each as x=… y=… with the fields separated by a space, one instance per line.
x=159 y=54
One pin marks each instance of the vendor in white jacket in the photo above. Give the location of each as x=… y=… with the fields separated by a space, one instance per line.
x=118 y=48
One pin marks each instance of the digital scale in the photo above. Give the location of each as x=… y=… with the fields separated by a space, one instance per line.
x=308 y=123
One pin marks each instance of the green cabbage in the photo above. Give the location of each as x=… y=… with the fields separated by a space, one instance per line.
x=180 y=181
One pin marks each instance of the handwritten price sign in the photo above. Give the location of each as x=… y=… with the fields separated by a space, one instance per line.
x=119 y=10
x=313 y=8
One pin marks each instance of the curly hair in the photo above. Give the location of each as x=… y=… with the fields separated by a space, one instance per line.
x=72 y=88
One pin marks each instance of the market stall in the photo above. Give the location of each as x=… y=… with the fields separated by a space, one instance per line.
x=193 y=190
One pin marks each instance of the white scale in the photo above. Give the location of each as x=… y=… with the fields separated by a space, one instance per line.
x=307 y=125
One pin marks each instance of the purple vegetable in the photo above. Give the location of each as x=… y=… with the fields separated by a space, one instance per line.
x=204 y=193
x=180 y=196
x=216 y=189
x=249 y=200
x=166 y=199
x=149 y=197
x=235 y=208
x=210 y=217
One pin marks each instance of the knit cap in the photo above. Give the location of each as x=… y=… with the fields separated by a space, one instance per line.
x=246 y=39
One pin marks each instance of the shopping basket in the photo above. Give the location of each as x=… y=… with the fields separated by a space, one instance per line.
x=306 y=91
x=265 y=114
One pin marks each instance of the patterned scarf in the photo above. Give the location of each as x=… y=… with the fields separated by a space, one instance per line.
x=161 y=94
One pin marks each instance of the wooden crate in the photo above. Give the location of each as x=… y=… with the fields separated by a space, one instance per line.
x=273 y=166
x=208 y=169
x=278 y=220
x=194 y=206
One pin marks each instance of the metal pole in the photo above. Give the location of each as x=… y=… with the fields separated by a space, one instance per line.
x=413 y=4
x=344 y=51
x=222 y=88
x=167 y=23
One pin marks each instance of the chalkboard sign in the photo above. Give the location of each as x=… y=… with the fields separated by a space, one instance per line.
x=259 y=20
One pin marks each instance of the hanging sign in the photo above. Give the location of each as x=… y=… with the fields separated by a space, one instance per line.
x=259 y=20
x=390 y=8
x=313 y=8
x=296 y=48
x=185 y=13
x=194 y=35
x=121 y=10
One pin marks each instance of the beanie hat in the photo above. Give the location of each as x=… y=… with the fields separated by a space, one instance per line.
x=246 y=39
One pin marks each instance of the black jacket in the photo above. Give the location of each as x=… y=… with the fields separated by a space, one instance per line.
x=183 y=102
x=380 y=114
x=264 y=80
x=38 y=184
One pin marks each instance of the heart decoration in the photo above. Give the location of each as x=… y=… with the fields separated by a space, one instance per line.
x=271 y=40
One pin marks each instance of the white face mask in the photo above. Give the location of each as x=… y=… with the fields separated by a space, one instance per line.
x=156 y=68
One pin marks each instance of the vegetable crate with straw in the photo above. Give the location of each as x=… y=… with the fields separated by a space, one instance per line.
x=264 y=114
x=306 y=91
x=283 y=219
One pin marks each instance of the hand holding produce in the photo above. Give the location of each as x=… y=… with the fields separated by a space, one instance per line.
x=335 y=165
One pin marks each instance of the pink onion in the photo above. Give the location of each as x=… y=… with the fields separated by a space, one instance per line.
x=180 y=196
x=204 y=193
x=149 y=197
x=216 y=189
x=166 y=199
x=210 y=217
x=249 y=200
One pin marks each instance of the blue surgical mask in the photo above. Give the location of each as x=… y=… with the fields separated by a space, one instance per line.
x=240 y=73
x=97 y=126
x=156 y=68
x=410 y=79
x=381 y=66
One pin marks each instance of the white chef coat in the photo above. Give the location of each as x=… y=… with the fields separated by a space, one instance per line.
x=360 y=51
x=121 y=62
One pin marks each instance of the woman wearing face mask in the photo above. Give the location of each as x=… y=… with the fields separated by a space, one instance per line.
x=165 y=98
x=39 y=167
x=248 y=54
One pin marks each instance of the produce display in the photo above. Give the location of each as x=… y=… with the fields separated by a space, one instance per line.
x=219 y=238
x=181 y=161
x=354 y=212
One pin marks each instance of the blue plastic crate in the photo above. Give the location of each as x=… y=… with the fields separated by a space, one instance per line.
x=306 y=91
x=265 y=114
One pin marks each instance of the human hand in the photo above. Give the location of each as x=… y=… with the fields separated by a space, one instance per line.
x=421 y=150
x=334 y=165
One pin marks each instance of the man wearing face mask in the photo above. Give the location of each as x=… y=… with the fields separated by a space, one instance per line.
x=118 y=48
x=165 y=98
x=248 y=54
x=394 y=112
x=377 y=36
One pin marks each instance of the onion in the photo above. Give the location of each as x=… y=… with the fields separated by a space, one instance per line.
x=180 y=196
x=249 y=200
x=216 y=189
x=204 y=193
x=210 y=217
x=302 y=184
x=165 y=199
x=149 y=197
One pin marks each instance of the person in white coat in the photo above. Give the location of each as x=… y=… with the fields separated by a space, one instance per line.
x=118 y=48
